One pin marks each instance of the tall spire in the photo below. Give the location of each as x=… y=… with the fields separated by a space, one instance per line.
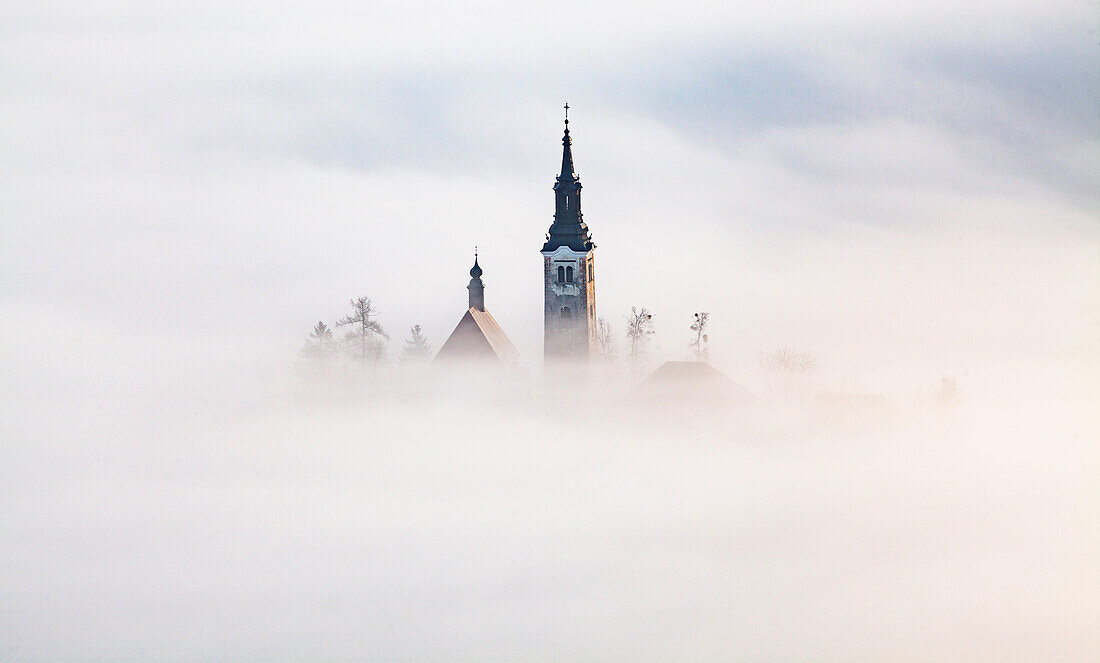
x=567 y=170
x=568 y=228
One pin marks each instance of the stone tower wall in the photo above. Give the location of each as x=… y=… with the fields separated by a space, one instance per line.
x=572 y=336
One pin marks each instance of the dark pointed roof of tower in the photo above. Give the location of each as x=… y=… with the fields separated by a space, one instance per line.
x=475 y=271
x=567 y=170
x=568 y=228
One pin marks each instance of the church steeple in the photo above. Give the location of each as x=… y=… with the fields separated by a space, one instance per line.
x=477 y=341
x=568 y=279
x=476 y=287
x=568 y=228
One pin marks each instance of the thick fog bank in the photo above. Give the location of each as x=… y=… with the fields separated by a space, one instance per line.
x=190 y=515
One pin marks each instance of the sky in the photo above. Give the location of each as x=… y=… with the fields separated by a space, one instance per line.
x=906 y=192
x=880 y=175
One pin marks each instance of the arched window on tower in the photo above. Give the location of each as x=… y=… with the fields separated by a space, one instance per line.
x=568 y=274
x=561 y=274
x=565 y=312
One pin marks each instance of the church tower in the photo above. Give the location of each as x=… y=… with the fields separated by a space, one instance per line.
x=477 y=341
x=569 y=282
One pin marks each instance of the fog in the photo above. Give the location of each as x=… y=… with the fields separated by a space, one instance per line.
x=208 y=516
x=908 y=195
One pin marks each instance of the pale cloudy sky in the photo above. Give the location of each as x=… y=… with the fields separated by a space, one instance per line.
x=875 y=175
x=906 y=191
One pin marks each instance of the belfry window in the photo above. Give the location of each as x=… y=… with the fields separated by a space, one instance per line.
x=561 y=274
x=568 y=274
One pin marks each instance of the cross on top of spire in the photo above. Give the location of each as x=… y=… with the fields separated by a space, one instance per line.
x=567 y=115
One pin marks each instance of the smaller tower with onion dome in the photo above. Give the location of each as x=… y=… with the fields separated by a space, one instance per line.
x=477 y=340
x=476 y=287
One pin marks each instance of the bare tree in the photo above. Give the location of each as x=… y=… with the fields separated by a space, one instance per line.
x=605 y=340
x=417 y=347
x=784 y=366
x=947 y=395
x=699 y=345
x=639 y=327
x=320 y=344
x=367 y=336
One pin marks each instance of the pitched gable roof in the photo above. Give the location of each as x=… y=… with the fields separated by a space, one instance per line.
x=500 y=342
x=686 y=381
x=478 y=337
